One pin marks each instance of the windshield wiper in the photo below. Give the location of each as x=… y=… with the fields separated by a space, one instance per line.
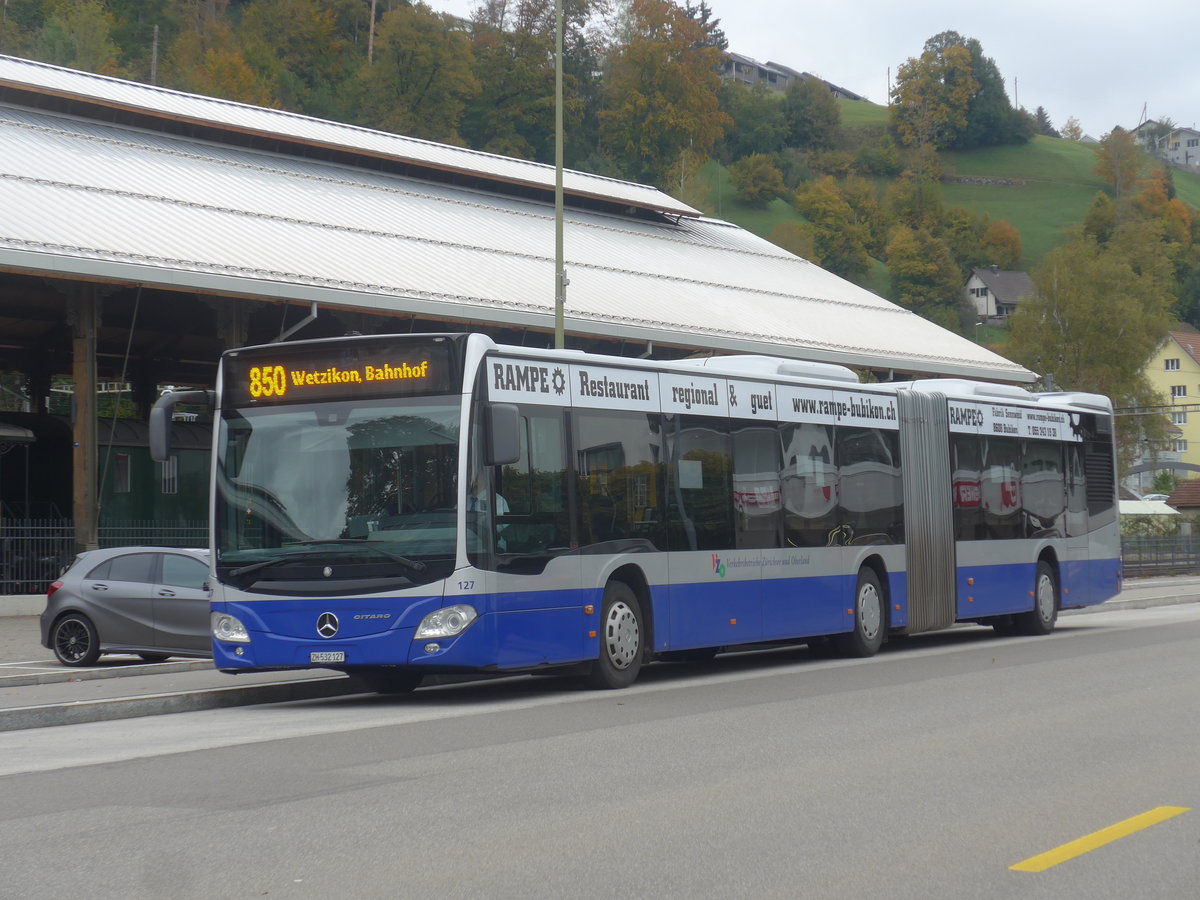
x=414 y=564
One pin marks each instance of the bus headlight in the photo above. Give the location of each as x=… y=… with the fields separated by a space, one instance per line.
x=446 y=622
x=229 y=628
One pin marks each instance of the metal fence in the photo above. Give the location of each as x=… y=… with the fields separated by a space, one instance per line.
x=1177 y=554
x=33 y=552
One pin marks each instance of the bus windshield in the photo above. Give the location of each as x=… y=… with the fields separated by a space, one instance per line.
x=367 y=485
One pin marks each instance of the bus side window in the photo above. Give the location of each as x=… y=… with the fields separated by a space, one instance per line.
x=808 y=485
x=619 y=470
x=699 y=483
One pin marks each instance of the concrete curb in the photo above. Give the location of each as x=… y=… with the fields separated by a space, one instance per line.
x=59 y=676
x=24 y=717
x=22 y=604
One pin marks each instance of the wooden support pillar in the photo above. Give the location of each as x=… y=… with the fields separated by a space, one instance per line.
x=83 y=315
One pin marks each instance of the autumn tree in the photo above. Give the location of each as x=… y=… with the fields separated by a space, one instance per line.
x=931 y=97
x=1120 y=162
x=1072 y=130
x=757 y=179
x=421 y=76
x=1001 y=244
x=811 y=114
x=839 y=236
x=924 y=276
x=660 y=99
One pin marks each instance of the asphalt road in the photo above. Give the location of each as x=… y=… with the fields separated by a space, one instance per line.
x=926 y=772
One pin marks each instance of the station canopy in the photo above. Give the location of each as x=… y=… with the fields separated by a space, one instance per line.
x=110 y=180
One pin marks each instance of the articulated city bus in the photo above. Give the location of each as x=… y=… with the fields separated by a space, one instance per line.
x=401 y=505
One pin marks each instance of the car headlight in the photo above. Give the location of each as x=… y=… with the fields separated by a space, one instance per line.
x=446 y=622
x=229 y=628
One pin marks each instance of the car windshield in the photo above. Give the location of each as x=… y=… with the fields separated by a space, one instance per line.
x=369 y=486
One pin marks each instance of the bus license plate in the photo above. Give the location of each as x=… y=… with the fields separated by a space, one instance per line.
x=327 y=656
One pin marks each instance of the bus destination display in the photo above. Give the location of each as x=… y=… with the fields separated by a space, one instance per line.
x=298 y=375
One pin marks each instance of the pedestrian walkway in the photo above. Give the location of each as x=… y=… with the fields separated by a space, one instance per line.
x=36 y=691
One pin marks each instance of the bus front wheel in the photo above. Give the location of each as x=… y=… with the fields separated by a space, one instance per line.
x=870 y=618
x=621 y=636
x=1040 y=620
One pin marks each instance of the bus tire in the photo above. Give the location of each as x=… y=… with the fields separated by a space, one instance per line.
x=621 y=637
x=1040 y=620
x=870 y=618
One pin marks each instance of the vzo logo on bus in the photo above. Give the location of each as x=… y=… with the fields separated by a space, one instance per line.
x=718 y=566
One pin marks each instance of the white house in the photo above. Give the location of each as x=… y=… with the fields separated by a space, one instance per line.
x=995 y=292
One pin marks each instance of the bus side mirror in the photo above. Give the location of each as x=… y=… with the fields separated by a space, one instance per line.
x=160 y=419
x=503 y=424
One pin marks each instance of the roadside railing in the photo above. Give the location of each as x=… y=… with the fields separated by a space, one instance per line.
x=1177 y=554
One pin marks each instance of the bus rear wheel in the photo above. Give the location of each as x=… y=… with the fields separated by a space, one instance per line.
x=621 y=636
x=1040 y=620
x=870 y=618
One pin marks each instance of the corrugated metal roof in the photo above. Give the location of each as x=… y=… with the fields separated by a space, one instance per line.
x=177 y=105
x=83 y=198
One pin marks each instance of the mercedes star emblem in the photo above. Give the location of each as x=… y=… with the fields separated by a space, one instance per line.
x=327 y=625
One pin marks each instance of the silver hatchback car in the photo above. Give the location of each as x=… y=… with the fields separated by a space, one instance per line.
x=149 y=601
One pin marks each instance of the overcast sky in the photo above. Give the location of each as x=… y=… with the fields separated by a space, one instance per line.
x=1097 y=60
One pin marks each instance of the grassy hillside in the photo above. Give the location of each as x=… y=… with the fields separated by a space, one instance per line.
x=1042 y=188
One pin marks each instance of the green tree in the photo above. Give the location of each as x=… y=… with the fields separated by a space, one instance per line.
x=756 y=117
x=78 y=34
x=660 y=99
x=757 y=179
x=811 y=114
x=1044 y=126
x=421 y=77
x=299 y=52
x=701 y=14
x=1098 y=313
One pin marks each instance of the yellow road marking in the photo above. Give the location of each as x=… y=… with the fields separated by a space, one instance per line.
x=1044 y=861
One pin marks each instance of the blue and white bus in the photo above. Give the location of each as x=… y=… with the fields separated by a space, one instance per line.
x=402 y=505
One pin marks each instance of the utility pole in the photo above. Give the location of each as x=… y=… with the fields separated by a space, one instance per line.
x=371 y=35
x=560 y=274
x=153 y=56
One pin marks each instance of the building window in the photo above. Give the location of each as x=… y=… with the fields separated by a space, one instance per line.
x=1171 y=365
x=1181 y=446
x=1179 y=418
x=1192 y=142
x=1178 y=390
x=170 y=475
